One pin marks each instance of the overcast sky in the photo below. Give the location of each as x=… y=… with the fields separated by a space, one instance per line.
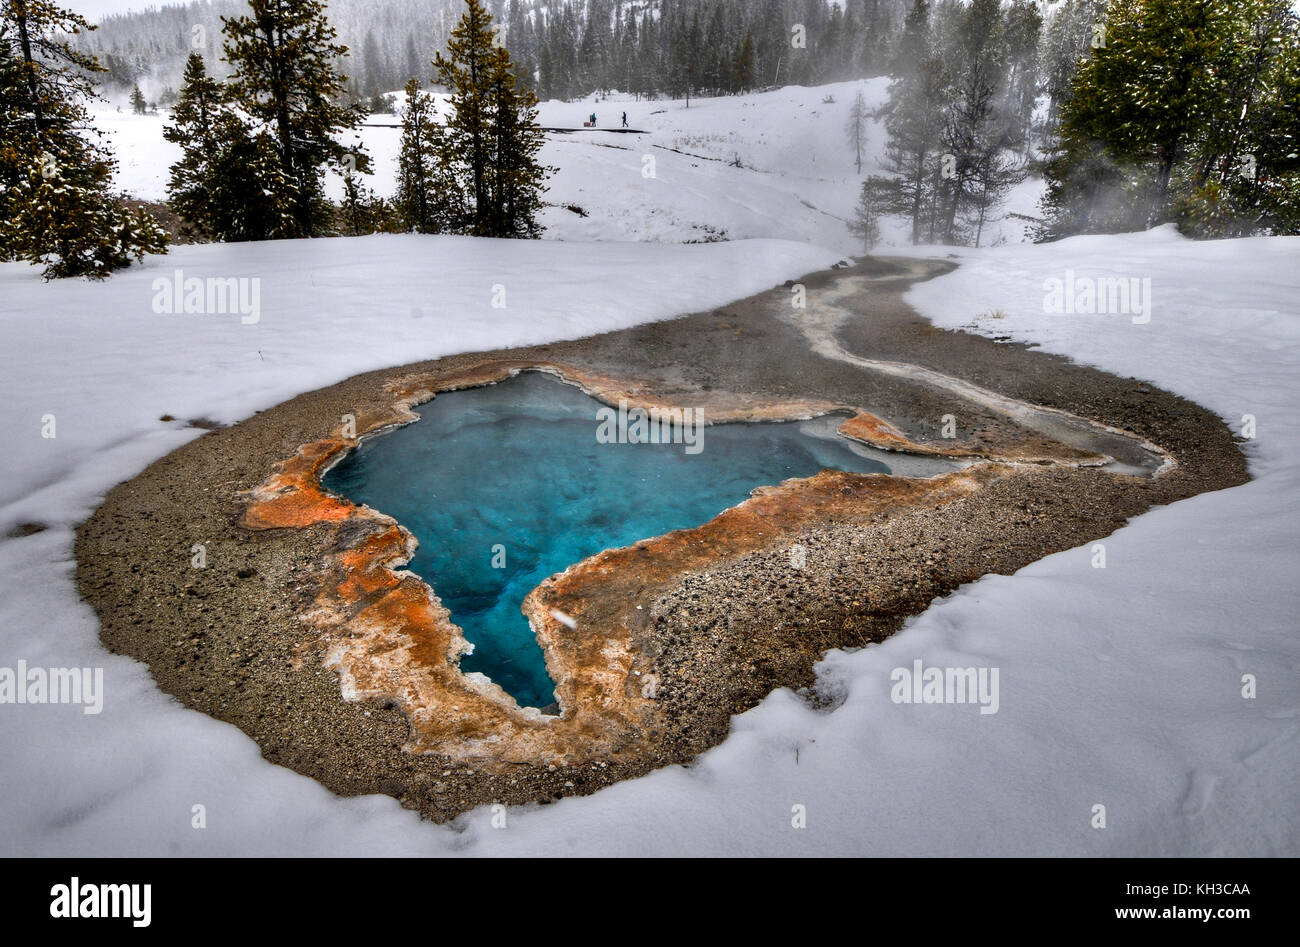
x=92 y=10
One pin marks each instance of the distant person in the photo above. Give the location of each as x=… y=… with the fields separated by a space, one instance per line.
x=625 y=119
x=593 y=119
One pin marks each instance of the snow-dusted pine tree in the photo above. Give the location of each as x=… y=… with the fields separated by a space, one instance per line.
x=56 y=208
x=218 y=187
x=1173 y=117
x=283 y=55
x=491 y=140
x=918 y=99
x=873 y=200
x=429 y=198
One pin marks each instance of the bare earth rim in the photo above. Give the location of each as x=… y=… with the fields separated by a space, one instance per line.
x=303 y=602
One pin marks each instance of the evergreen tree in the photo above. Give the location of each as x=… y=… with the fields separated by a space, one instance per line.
x=629 y=75
x=1243 y=173
x=56 y=207
x=918 y=100
x=372 y=65
x=138 y=104
x=411 y=65
x=518 y=178
x=978 y=135
x=874 y=199
x=745 y=64
x=283 y=56
x=1159 y=118
x=428 y=195
x=218 y=187
x=1022 y=35
x=686 y=54
x=859 y=116
x=594 y=50
x=362 y=211
x=648 y=63
x=491 y=141
x=193 y=127
x=1066 y=43
x=467 y=142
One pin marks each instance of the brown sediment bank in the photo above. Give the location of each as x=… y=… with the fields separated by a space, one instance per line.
x=303 y=601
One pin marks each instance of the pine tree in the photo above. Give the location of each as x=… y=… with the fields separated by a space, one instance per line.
x=630 y=76
x=467 y=142
x=218 y=187
x=745 y=62
x=283 y=56
x=594 y=50
x=411 y=66
x=138 y=104
x=1066 y=43
x=874 y=199
x=15 y=146
x=518 y=178
x=978 y=135
x=428 y=195
x=491 y=141
x=362 y=211
x=1159 y=119
x=194 y=127
x=1022 y=34
x=859 y=116
x=686 y=55
x=1243 y=176
x=56 y=206
x=372 y=66
x=918 y=102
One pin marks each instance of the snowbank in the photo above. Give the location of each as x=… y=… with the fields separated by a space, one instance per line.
x=98 y=367
x=1119 y=687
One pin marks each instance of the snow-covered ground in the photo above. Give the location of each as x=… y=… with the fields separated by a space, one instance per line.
x=95 y=365
x=676 y=183
x=1119 y=687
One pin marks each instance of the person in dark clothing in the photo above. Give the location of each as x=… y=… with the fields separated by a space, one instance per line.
x=593 y=119
x=625 y=119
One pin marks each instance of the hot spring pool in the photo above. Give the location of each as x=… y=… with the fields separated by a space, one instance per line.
x=508 y=484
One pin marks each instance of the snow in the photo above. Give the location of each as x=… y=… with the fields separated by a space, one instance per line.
x=107 y=367
x=1118 y=687
x=796 y=180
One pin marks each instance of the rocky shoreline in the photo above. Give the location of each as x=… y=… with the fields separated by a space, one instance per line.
x=298 y=595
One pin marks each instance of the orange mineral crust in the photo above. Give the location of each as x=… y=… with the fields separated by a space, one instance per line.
x=293 y=497
x=305 y=629
x=879 y=433
x=387 y=635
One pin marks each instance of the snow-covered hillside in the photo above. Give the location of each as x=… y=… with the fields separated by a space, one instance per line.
x=769 y=165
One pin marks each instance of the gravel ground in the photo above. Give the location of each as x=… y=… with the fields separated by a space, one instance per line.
x=225 y=640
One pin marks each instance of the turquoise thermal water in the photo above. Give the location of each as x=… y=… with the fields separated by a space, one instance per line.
x=506 y=485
